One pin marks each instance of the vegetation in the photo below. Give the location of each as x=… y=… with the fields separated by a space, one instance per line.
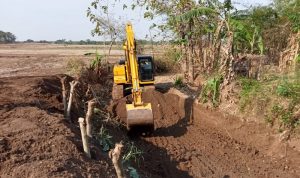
x=250 y=88
x=105 y=140
x=132 y=153
x=7 y=37
x=96 y=62
x=211 y=91
x=209 y=37
x=178 y=82
x=75 y=66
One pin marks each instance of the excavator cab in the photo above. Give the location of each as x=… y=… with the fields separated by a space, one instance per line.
x=146 y=69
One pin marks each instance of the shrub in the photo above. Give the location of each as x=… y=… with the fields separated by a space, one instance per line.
x=211 y=91
x=96 y=62
x=289 y=89
x=104 y=139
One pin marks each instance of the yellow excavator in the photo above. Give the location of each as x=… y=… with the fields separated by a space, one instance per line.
x=135 y=73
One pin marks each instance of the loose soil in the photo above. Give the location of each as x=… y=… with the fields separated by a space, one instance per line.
x=35 y=140
x=192 y=141
x=189 y=140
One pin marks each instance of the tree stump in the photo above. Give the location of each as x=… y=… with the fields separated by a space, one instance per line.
x=85 y=141
x=73 y=85
x=64 y=94
x=115 y=156
x=89 y=115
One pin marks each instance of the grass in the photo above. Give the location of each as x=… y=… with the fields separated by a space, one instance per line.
x=132 y=153
x=276 y=97
x=75 y=66
x=250 y=89
x=178 y=82
x=96 y=62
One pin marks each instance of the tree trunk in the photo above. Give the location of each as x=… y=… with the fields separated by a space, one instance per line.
x=109 y=50
x=85 y=141
x=64 y=94
x=88 y=118
x=115 y=155
x=190 y=64
x=73 y=85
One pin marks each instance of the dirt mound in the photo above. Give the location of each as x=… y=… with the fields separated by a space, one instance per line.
x=165 y=107
x=35 y=141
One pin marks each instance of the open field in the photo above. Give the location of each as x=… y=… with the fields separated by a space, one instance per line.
x=189 y=140
x=43 y=59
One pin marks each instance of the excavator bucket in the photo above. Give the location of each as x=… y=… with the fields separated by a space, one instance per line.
x=139 y=115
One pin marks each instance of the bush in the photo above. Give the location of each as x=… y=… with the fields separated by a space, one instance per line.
x=211 y=91
x=289 y=89
x=96 y=62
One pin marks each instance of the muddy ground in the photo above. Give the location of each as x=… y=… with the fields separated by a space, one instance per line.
x=189 y=140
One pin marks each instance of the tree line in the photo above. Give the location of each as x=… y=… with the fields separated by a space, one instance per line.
x=87 y=42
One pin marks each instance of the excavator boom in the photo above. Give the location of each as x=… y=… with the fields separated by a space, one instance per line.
x=138 y=113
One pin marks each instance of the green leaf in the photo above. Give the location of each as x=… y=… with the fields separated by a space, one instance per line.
x=196 y=13
x=133 y=173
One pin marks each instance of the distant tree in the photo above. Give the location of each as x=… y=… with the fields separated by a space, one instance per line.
x=82 y=42
x=7 y=37
x=61 y=41
x=29 y=41
x=44 y=41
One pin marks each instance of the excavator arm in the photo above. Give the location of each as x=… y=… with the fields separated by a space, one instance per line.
x=138 y=113
x=131 y=59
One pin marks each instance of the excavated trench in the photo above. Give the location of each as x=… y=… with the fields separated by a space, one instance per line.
x=192 y=141
x=188 y=141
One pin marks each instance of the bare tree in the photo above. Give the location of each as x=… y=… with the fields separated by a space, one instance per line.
x=105 y=24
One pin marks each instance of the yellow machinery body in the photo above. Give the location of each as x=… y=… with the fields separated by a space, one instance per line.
x=122 y=76
x=132 y=73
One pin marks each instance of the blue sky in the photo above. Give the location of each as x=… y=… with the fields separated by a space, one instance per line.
x=57 y=19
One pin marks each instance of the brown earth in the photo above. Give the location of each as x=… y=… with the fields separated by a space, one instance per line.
x=191 y=141
x=35 y=140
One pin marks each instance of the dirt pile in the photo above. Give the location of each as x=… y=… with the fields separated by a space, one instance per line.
x=167 y=108
x=35 y=141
